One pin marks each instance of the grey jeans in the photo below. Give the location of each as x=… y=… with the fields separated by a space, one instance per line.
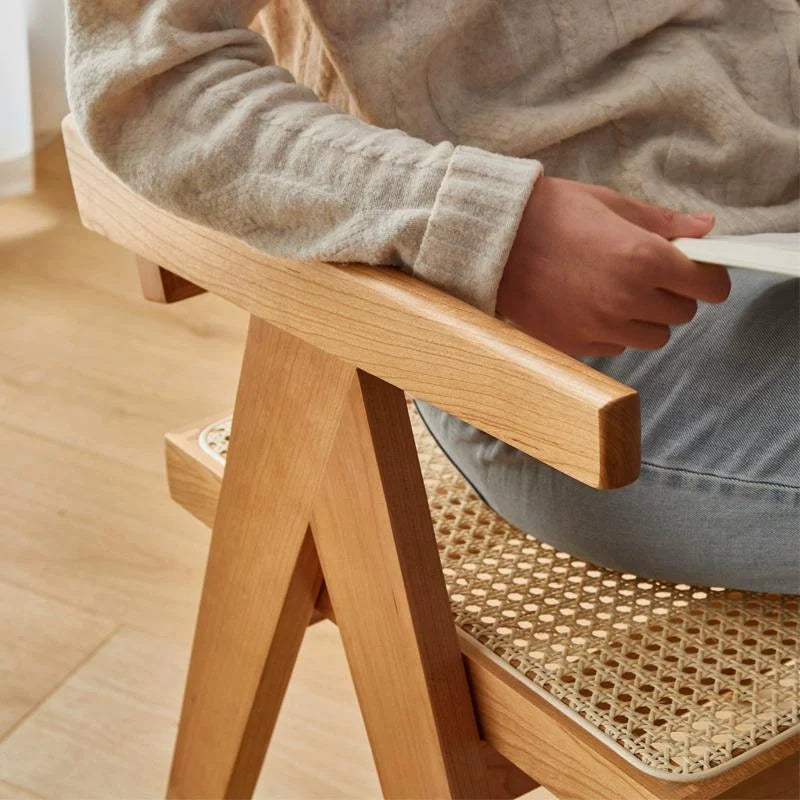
x=718 y=499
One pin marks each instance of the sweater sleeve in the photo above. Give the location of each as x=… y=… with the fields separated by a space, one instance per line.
x=186 y=106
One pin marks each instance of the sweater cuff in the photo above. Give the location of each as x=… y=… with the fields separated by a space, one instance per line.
x=473 y=223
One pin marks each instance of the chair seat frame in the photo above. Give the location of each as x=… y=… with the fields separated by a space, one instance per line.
x=326 y=488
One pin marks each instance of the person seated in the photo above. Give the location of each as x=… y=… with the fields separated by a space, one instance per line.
x=535 y=159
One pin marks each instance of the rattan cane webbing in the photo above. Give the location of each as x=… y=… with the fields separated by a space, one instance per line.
x=684 y=679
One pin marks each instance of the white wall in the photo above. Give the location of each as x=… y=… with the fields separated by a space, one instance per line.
x=16 y=133
x=46 y=37
x=32 y=93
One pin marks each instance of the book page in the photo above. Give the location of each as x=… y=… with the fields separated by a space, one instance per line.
x=767 y=252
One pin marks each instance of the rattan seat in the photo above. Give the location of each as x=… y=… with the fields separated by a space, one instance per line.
x=682 y=681
x=558 y=673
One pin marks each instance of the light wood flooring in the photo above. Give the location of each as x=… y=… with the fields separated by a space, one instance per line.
x=99 y=572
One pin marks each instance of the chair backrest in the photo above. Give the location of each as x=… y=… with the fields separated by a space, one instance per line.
x=393 y=326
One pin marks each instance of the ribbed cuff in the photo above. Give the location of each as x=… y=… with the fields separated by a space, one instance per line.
x=473 y=223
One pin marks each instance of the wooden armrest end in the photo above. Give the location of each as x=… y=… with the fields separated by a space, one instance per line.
x=406 y=332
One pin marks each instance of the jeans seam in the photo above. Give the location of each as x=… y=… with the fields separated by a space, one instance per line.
x=733 y=479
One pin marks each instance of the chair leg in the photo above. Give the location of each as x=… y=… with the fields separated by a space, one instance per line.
x=373 y=533
x=262 y=577
x=162 y=286
x=506 y=781
x=296 y=614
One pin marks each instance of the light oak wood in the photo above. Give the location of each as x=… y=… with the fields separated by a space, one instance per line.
x=92 y=531
x=10 y=792
x=297 y=612
x=569 y=761
x=543 y=742
x=393 y=326
x=40 y=655
x=375 y=540
x=253 y=611
x=193 y=475
x=84 y=517
x=194 y=479
x=162 y=286
x=607 y=473
x=516 y=722
x=506 y=780
x=781 y=781
x=107 y=731
x=90 y=377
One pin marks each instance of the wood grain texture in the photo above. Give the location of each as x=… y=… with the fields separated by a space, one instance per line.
x=375 y=540
x=393 y=326
x=252 y=610
x=9 y=791
x=506 y=780
x=35 y=655
x=90 y=378
x=516 y=722
x=298 y=607
x=162 y=286
x=107 y=731
x=568 y=760
x=193 y=476
x=781 y=781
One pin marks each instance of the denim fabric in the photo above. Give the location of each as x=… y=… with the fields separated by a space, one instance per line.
x=718 y=499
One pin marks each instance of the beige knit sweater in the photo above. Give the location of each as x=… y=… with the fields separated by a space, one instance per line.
x=423 y=155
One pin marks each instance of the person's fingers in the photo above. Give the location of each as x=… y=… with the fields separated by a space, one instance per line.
x=639 y=334
x=660 y=264
x=681 y=275
x=665 y=308
x=666 y=222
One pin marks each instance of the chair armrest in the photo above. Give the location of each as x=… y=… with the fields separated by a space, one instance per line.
x=394 y=326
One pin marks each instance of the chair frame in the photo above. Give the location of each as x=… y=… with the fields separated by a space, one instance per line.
x=326 y=487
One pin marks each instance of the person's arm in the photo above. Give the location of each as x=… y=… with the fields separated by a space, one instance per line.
x=592 y=271
x=185 y=105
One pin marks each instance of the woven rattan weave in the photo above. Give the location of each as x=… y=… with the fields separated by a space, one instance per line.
x=681 y=680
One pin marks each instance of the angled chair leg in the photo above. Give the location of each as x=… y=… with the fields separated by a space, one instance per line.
x=506 y=781
x=373 y=533
x=262 y=577
x=298 y=607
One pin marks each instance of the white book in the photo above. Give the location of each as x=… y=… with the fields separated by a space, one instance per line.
x=766 y=252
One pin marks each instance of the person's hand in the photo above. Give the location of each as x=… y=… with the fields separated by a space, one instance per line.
x=592 y=272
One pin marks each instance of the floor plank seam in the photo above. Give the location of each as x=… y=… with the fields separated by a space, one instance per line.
x=51 y=440
x=58 y=685
x=19 y=788
x=89 y=612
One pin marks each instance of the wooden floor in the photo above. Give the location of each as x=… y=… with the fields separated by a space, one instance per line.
x=99 y=572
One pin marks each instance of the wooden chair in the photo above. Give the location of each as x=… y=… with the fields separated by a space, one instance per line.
x=594 y=684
